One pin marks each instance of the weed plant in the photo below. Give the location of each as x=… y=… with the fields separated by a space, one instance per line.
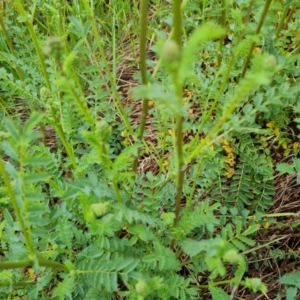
x=84 y=215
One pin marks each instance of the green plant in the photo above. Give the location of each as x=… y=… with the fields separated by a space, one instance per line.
x=291 y=169
x=292 y=280
x=81 y=218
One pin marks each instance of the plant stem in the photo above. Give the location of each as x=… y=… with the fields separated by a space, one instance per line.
x=51 y=264
x=26 y=233
x=246 y=19
x=223 y=24
x=290 y=16
x=28 y=263
x=193 y=188
x=41 y=59
x=61 y=134
x=35 y=42
x=11 y=48
x=82 y=106
x=18 y=284
x=158 y=65
x=259 y=26
x=282 y=19
x=177 y=23
x=295 y=51
x=119 y=104
x=143 y=66
x=18 y=70
x=107 y=163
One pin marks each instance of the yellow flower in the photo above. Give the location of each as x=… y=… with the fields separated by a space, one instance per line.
x=31 y=273
x=224 y=142
x=283 y=144
x=150 y=103
x=270 y=124
x=206 y=55
x=171 y=133
x=256 y=50
x=187 y=93
x=230 y=172
x=231 y=155
x=166 y=164
x=227 y=149
x=230 y=162
x=275 y=130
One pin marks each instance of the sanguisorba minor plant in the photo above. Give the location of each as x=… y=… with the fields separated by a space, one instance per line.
x=78 y=221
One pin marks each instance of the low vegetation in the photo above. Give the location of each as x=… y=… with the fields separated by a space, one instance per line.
x=149 y=150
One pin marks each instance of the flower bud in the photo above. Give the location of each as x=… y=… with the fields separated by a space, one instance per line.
x=99 y=209
x=232 y=256
x=45 y=94
x=54 y=47
x=270 y=63
x=104 y=130
x=141 y=286
x=170 y=51
x=168 y=218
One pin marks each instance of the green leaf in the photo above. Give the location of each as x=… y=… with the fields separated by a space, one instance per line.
x=37 y=208
x=2 y=225
x=142 y=232
x=124 y=159
x=150 y=258
x=239 y=245
x=238 y=228
x=8 y=218
x=166 y=258
x=11 y=170
x=133 y=263
x=250 y=230
x=106 y=281
x=64 y=288
x=291 y=293
x=35 y=119
x=285 y=168
x=36 y=196
x=291 y=279
x=9 y=150
x=11 y=128
x=78 y=25
x=164 y=100
x=192 y=248
x=36 y=161
x=218 y=294
x=289 y=2
x=207 y=32
x=36 y=177
x=297 y=164
x=246 y=240
x=114 y=281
